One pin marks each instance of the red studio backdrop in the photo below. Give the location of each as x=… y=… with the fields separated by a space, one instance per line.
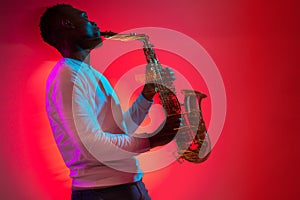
x=255 y=47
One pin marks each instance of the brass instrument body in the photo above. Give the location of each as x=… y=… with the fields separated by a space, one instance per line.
x=194 y=130
x=193 y=142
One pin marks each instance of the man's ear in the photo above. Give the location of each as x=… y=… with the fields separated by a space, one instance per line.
x=67 y=24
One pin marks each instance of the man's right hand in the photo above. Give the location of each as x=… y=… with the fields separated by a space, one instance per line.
x=166 y=131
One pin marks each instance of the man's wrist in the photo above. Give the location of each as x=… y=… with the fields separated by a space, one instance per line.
x=149 y=91
x=147 y=96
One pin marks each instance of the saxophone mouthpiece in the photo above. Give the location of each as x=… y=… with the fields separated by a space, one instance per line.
x=108 y=34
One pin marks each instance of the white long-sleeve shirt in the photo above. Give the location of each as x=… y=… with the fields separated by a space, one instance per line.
x=96 y=139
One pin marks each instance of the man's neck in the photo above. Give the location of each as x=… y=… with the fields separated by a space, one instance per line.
x=83 y=55
x=76 y=53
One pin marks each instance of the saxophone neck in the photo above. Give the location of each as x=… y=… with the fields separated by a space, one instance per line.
x=109 y=35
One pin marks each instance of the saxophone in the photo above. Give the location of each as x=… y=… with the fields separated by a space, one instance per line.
x=192 y=139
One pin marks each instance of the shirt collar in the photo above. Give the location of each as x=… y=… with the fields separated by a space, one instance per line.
x=77 y=62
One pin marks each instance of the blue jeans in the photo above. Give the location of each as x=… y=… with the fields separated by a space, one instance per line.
x=131 y=191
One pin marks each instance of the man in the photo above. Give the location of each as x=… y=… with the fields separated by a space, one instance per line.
x=96 y=139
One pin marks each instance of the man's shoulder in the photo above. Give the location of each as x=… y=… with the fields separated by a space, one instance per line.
x=67 y=65
x=66 y=70
x=64 y=78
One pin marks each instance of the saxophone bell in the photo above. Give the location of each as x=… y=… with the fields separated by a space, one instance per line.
x=193 y=142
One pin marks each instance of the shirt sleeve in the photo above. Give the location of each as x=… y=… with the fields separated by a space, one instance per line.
x=137 y=113
x=77 y=114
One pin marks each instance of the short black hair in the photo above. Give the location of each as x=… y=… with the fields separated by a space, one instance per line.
x=50 y=22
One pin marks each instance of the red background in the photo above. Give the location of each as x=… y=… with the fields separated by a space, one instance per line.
x=255 y=46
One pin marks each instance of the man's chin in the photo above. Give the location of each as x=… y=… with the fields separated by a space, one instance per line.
x=95 y=42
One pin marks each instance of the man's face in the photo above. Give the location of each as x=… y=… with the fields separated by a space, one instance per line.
x=84 y=32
